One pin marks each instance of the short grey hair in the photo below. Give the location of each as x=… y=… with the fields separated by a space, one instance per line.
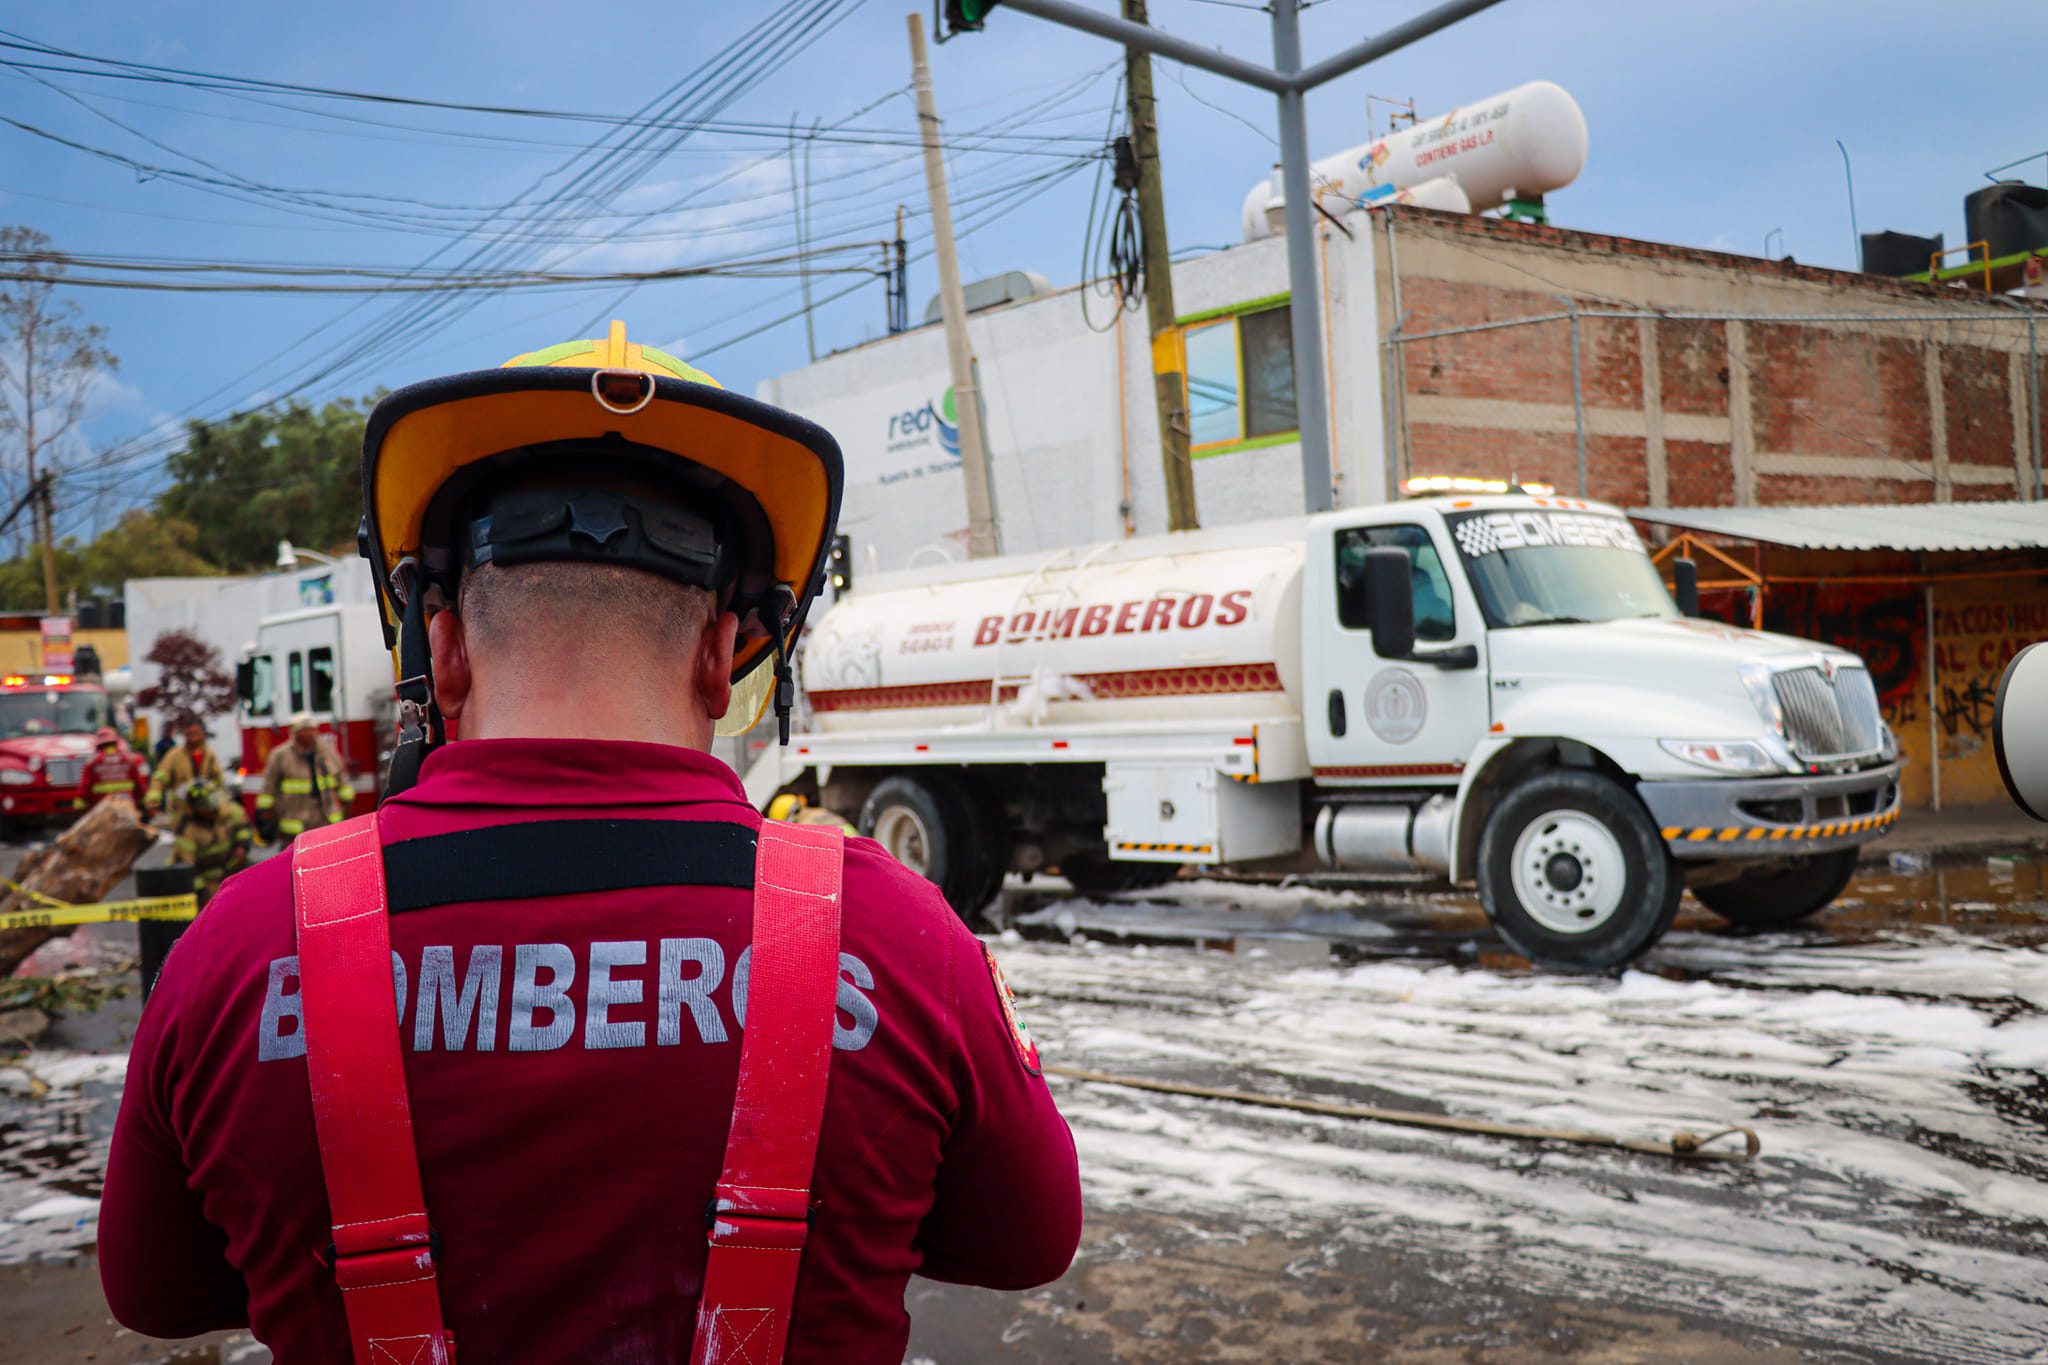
x=528 y=605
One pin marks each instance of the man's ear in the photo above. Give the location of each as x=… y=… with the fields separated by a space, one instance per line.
x=714 y=664
x=448 y=646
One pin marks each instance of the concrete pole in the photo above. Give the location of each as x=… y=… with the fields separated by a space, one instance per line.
x=982 y=536
x=1169 y=377
x=1311 y=404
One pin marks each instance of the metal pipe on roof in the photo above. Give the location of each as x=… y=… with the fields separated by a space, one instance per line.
x=1933 y=711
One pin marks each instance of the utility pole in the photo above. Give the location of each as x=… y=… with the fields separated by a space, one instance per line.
x=1169 y=363
x=38 y=484
x=46 y=530
x=983 y=540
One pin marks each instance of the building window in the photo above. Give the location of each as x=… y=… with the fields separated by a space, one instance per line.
x=1240 y=379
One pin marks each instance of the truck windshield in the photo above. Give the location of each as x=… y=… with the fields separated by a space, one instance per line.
x=1544 y=567
x=51 y=713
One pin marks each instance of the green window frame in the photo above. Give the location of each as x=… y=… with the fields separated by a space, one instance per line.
x=1238 y=377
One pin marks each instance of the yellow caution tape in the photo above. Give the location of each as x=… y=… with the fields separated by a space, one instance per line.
x=56 y=913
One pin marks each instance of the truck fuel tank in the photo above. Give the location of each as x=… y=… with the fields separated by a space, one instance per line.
x=1386 y=836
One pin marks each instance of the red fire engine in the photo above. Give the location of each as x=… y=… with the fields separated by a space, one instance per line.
x=47 y=724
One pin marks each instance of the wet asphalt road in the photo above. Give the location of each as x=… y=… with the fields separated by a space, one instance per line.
x=1893 y=1057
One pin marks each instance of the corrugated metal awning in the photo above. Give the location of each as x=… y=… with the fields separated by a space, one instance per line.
x=1930 y=527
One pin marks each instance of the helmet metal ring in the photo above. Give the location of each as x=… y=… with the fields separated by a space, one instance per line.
x=643 y=380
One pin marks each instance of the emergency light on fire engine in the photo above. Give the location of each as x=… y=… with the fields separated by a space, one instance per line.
x=1427 y=485
x=47 y=680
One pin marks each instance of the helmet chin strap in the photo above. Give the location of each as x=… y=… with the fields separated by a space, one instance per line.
x=420 y=729
x=784 y=602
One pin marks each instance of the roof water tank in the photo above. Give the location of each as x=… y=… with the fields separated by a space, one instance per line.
x=1523 y=142
x=2012 y=216
x=1012 y=286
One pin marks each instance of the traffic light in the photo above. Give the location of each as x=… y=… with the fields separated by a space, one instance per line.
x=839 y=565
x=965 y=16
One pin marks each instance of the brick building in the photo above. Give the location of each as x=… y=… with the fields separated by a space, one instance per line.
x=1725 y=381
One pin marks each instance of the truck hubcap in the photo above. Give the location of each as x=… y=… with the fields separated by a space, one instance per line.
x=901 y=832
x=1569 y=872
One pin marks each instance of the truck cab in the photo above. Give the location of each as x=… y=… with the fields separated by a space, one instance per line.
x=1537 y=716
x=47 y=724
x=328 y=660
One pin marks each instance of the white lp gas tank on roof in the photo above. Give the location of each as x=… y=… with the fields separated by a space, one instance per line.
x=1525 y=141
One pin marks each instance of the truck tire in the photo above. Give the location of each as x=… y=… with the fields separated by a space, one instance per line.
x=929 y=824
x=1095 y=873
x=1574 y=875
x=1782 y=896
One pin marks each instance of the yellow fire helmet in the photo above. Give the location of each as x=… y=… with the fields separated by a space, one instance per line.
x=615 y=452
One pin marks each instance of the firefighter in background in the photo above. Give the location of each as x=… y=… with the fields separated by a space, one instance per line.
x=305 y=784
x=213 y=835
x=181 y=767
x=113 y=771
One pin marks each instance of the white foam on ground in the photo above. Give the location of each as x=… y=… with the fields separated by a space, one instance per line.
x=1892 y=1194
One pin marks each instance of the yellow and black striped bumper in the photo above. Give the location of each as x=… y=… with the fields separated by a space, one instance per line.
x=1751 y=818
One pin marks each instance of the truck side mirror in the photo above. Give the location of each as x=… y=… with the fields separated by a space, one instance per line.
x=245 y=682
x=1392 y=598
x=2019 y=730
x=1685 y=586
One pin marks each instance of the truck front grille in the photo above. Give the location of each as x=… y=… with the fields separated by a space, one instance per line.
x=64 y=772
x=1825 y=720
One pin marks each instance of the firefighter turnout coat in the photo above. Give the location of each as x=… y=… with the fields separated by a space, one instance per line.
x=215 y=843
x=303 y=791
x=177 y=772
x=571 y=926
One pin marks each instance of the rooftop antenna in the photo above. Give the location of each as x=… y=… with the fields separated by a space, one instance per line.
x=1848 y=175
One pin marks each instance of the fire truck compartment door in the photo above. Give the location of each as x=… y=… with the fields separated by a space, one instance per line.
x=1190 y=813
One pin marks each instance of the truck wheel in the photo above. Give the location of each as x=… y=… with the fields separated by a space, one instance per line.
x=1784 y=895
x=1574 y=875
x=1096 y=874
x=927 y=824
x=991 y=843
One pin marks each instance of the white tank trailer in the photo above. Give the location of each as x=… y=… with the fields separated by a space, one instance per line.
x=1523 y=142
x=1495 y=689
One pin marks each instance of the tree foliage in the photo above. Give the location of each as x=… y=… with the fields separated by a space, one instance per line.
x=51 y=360
x=193 y=685
x=290 y=473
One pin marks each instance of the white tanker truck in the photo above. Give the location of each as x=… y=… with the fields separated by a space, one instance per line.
x=1495 y=689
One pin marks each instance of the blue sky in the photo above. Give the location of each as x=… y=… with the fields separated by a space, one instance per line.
x=1709 y=125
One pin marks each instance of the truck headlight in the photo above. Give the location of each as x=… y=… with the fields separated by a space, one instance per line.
x=1723 y=755
x=1888 y=743
x=16 y=777
x=1757 y=679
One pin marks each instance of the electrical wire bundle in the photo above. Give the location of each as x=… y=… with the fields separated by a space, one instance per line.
x=1112 y=254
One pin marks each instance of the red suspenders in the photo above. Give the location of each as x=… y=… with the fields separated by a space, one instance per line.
x=383 y=1252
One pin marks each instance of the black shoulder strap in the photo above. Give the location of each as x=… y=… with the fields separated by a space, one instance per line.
x=531 y=859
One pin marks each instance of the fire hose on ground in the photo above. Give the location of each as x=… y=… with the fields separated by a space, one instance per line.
x=1681 y=1145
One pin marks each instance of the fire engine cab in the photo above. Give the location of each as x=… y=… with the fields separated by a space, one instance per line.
x=47 y=724
x=329 y=660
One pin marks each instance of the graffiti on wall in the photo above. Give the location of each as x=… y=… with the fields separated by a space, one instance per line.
x=1978 y=627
